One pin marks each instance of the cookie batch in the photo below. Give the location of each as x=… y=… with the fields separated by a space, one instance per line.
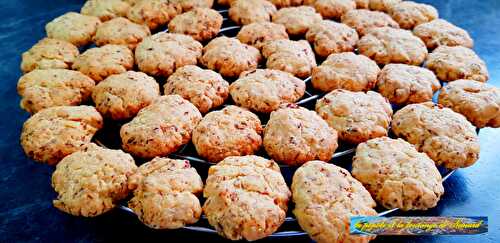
x=288 y=85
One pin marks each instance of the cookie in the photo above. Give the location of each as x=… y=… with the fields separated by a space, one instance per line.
x=73 y=27
x=244 y=12
x=330 y=37
x=440 y=32
x=289 y=3
x=92 y=181
x=297 y=20
x=409 y=14
x=257 y=34
x=478 y=102
x=294 y=135
x=230 y=57
x=357 y=116
x=404 y=84
x=202 y=24
x=188 y=5
x=162 y=53
x=333 y=9
x=264 y=90
x=121 y=31
x=100 y=62
x=446 y=136
x=397 y=175
x=389 y=45
x=160 y=128
x=452 y=63
x=382 y=5
x=246 y=197
x=232 y=131
x=362 y=20
x=105 y=10
x=49 y=54
x=165 y=193
x=122 y=96
x=154 y=13
x=345 y=71
x=325 y=197
x=53 y=133
x=205 y=89
x=44 y=88
x=295 y=57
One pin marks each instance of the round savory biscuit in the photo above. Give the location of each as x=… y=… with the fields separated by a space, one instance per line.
x=232 y=131
x=330 y=37
x=389 y=45
x=230 y=57
x=409 y=14
x=333 y=9
x=105 y=9
x=154 y=13
x=44 y=88
x=160 y=128
x=446 y=136
x=188 y=5
x=357 y=116
x=405 y=84
x=49 y=54
x=363 y=20
x=244 y=12
x=74 y=28
x=165 y=193
x=325 y=198
x=397 y=175
x=457 y=62
x=205 y=89
x=246 y=197
x=440 y=32
x=297 y=20
x=345 y=71
x=53 y=133
x=294 y=135
x=122 y=96
x=382 y=5
x=121 y=31
x=295 y=57
x=162 y=53
x=257 y=34
x=478 y=102
x=264 y=90
x=92 y=181
x=202 y=24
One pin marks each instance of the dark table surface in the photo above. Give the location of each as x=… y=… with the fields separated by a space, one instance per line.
x=26 y=212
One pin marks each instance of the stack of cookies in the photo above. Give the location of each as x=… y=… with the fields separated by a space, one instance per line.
x=170 y=75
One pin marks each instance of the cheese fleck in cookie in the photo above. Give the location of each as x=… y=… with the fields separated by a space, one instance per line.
x=121 y=31
x=333 y=9
x=345 y=71
x=257 y=34
x=41 y=89
x=446 y=136
x=202 y=24
x=330 y=37
x=295 y=57
x=362 y=20
x=478 y=102
x=232 y=131
x=165 y=193
x=409 y=14
x=92 y=181
x=357 y=116
x=244 y=12
x=49 y=54
x=53 y=133
x=73 y=27
x=206 y=89
x=297 y=20
x=105 y=10
x=154 y=13
x=382 y=5
x=440 y=32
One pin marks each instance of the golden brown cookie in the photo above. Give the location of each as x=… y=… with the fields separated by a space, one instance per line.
x=121 y=31
x=92 y=181
x=297 y=20
x=397 y=175
x=49 y=54
x=105 y=9
x=73 y=27
x=244 y=12
x=154 y=13
x=409 y=14
x=257 y=34
x=440 y=32
x=333 y=9
x=44 y=88
x=446 y=136
x=330 y=37
x=345 y=71
x=160 y=128
x=357 y=116
x=53 y=133
x=325 y=197
x=362 y=20
x=295 y=57
x=246 y=197
x=404 y=84
x=188 y=5
x=232 y=131
x=202 y=24
x=382 y=5
x=206 y=89
x=478 y=102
